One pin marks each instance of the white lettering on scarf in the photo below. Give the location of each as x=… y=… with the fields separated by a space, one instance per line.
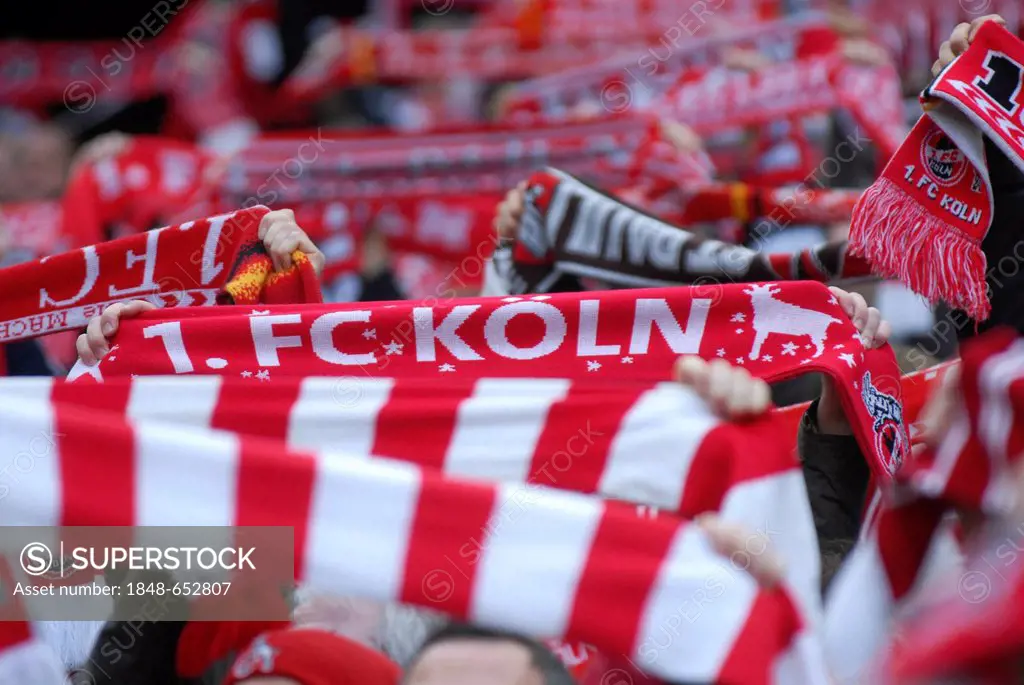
x=92 y=273
x=148 y=259
x=496 y=333
x=268 y=338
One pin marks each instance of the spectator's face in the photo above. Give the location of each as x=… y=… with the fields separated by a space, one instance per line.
x=40 y=164
x=474 y=662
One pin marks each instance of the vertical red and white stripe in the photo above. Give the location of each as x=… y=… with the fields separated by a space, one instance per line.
x=913 y=533
x=528 y=558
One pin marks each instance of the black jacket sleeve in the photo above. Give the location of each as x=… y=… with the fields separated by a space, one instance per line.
x=1003 y=247
x=140 y=651
x=26 y=358
x=837 y=479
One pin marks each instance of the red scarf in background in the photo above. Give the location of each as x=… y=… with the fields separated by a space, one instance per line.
x=143 y=186
x=721 y=100
x=194 y=263
x=637 y=79
x=776 y=331
x=924 y=220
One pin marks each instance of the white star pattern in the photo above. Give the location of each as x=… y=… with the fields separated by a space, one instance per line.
x=833 y=300
x=739 y=330
x=806 y=361
x=247 y=374
x=739 y=360
x=839 y=346
x=112 y=357
x=808 y=347
x=394 y=348
x=263 y=375
x=790 y=349
x=593 y=365
x=370 y=333
x=720 y=352
x=767 y=357
x=848 y=358
x=216 y=362
x=260 y=312
x=738 y=317
x=446 y=368
x=627 y=360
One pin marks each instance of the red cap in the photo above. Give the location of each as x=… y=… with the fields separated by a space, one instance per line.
x=313 y=657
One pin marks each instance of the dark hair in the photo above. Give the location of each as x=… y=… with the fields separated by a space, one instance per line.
x=550 y=667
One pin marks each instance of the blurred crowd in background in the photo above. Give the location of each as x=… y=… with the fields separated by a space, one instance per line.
x=395 y=128
x=113 y=121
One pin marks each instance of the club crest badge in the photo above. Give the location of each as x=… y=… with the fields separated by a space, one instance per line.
x=258 y=658
x=891 y=439
x=945 y=163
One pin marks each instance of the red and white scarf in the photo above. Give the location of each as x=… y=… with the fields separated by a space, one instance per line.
x=635 y=79
x=776 y=331
x=971 y=471
x=146 y=184
x=415 y=541
x=692 y=463
x=193 y=263
x=923 y=221
x=716 y=100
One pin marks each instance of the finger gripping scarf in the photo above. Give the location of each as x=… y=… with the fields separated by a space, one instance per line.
x=924 y=220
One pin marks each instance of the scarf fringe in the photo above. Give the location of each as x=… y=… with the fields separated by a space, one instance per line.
x=933 y=258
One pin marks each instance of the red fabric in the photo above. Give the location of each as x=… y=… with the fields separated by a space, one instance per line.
x=631 y=335
x=716 y=201
x=203 y=643
x=924 y=220
x=263 y=101
x=629 y=83
x=203 y=94
x=313 y=657
x=973 y=470
x=35 y=227
x=722 y=101
x=139 y=188
x=412 y=518
x=193 y=263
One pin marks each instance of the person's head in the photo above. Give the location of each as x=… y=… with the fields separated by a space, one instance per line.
x=40 y=157
x=460 y=654
x=305 y=656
